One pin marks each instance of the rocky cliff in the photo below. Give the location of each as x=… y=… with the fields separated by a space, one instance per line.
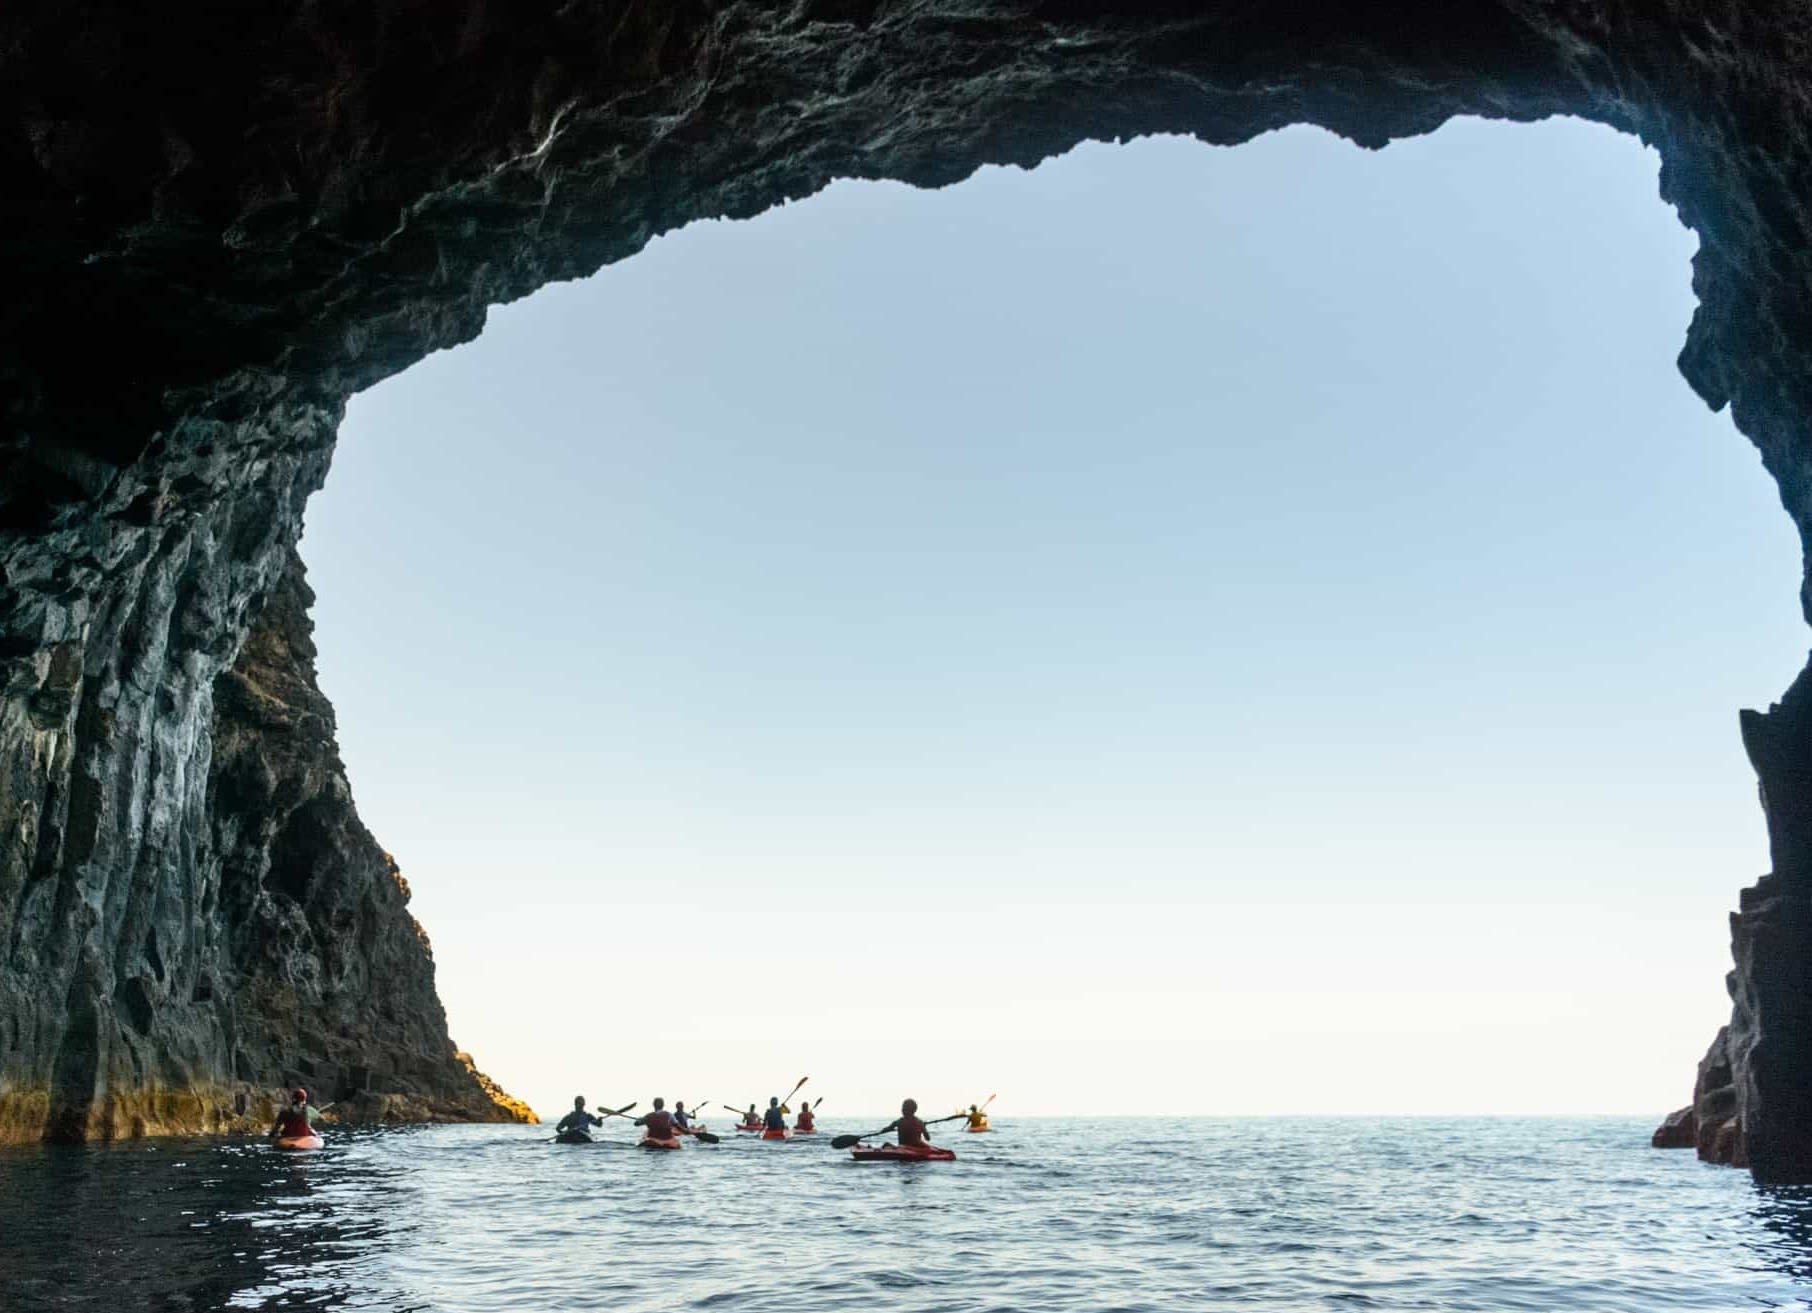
x=272 y=947
x=220 y=221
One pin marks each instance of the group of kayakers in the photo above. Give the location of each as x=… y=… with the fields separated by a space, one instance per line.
x=774 y=1119
x=658 y=1124
x=663 y=1128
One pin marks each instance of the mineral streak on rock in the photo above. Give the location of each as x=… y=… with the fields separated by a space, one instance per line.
x=220 y=221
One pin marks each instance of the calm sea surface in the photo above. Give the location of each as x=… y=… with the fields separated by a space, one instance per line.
x=1042 y=1215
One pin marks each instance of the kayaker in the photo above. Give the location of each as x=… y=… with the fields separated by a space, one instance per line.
x=751 y=1118
x=912 y=1133
x=775 y=1119
x=298 y=1119
x=681 y=1118
x=978 y=1120
x=578 y=1121
x=658 y=1123
x=805 y=1123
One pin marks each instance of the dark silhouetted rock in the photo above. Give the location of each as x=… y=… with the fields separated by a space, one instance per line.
x=1679 y=1131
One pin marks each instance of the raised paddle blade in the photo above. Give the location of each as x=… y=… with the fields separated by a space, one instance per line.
x=618 y=1112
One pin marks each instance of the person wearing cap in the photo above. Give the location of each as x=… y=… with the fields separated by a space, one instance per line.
x=298 y=1118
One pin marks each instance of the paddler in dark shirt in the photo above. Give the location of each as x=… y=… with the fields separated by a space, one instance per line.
x=681 y=1118
x=658 y=1124
x=911 y=1129
x=775 y=1120
x=578 y=1120
x=298 y=1119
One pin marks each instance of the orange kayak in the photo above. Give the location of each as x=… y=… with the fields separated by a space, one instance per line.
x=671 y=1142
x=300 y=1143
x=896 y=1153
x=777 y=1135
x=983 y=1129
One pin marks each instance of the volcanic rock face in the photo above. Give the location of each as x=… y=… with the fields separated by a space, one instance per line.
x=220 y=222
x=265 y=945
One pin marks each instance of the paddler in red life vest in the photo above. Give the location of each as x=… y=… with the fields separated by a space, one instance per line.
x=806 y=1122
x=911 y=1129
x=297 y=1119
x=657 y=1125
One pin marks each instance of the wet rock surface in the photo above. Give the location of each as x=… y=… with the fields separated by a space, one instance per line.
x=219 y=223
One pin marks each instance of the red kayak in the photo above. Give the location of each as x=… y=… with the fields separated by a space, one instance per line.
x=751 y=1129
x=300 y=1143
x=782 y=1134
x=671 y=1142
x=896 y=1153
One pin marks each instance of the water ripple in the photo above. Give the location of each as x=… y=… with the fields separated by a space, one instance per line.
x=1494 y=1215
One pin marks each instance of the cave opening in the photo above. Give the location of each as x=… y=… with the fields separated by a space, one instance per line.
x=1285 y=597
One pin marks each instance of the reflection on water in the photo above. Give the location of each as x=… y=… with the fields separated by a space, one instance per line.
x=193 y=1224
x=1784 y=1238
x=1044 y=1215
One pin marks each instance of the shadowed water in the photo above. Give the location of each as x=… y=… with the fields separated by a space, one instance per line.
x=1042 y=1215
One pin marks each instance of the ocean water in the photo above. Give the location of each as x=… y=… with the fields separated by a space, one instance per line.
x=1086 y=1215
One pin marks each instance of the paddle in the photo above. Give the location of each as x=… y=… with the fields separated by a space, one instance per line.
x=608 y=1112
x=790 y=1093
x=699 y=1132
x=846 y=1141
x=741 y=1117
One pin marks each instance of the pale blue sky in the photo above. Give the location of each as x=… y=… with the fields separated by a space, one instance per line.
x=1169 y=616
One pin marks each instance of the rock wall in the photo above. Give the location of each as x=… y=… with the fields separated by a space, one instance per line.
x=331 y=979
x=261 y=938
x=220 y=221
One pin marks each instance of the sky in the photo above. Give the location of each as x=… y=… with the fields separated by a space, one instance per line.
x=1177 y=630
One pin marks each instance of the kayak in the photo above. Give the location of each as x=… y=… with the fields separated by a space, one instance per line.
x=572 y=1137
x=895 y=1153
x=983 y=1129
x=693 y=1129
x=671 y=1142
x=781 y=1134
x=751 y=1129
x=300 y=1143
x=805 y=1130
